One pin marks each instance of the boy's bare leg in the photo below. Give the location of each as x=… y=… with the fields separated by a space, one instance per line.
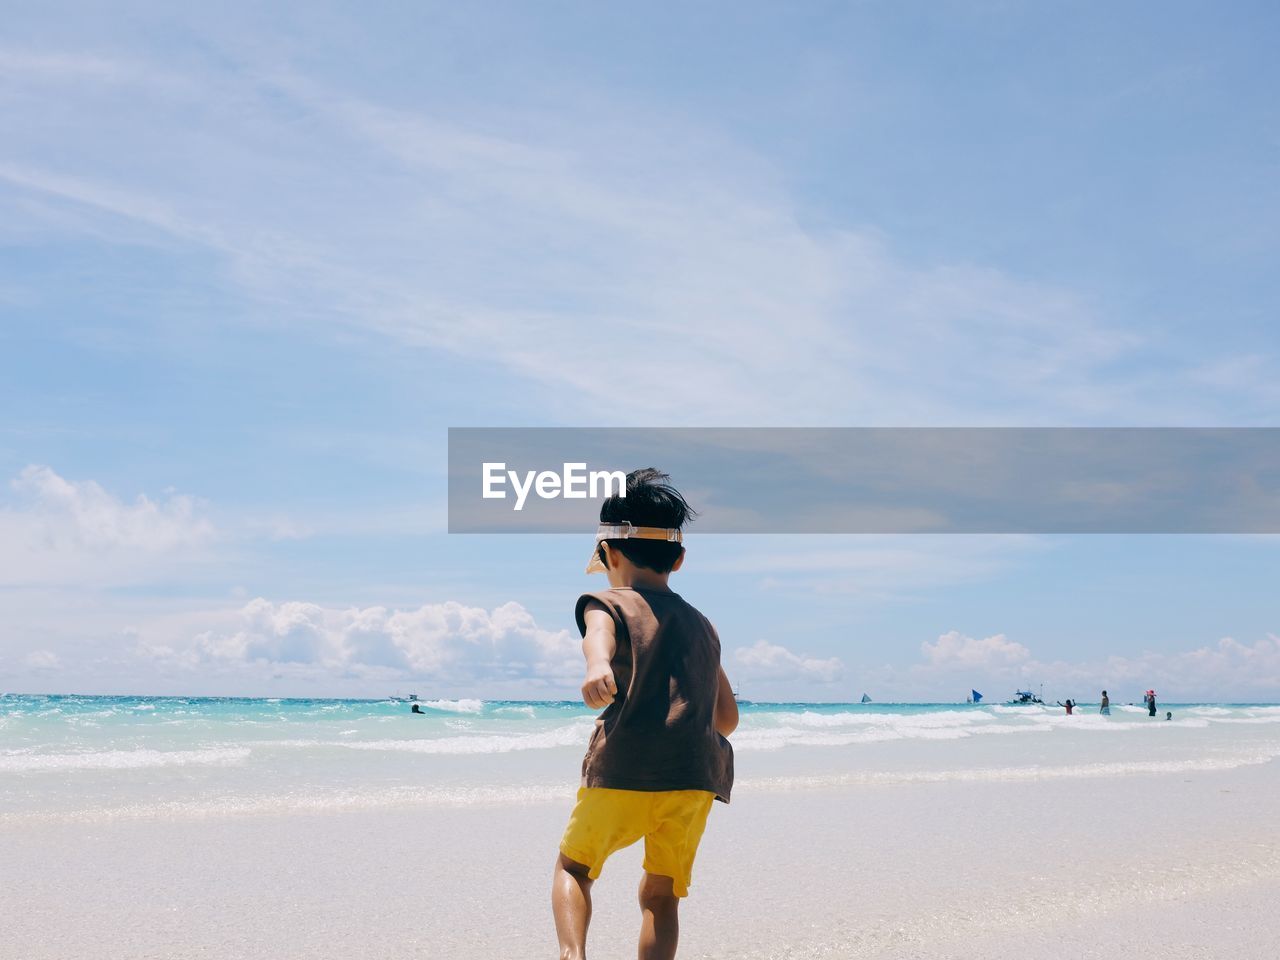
x=571 y=906
x=659 y=918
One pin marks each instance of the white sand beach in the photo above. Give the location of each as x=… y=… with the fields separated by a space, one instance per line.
x=1084 y=862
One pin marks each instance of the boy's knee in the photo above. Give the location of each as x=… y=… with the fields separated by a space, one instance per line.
x=579 y=870
x=657 y=893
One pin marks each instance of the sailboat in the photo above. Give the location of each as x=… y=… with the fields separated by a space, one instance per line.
x=975 y=696
x=865 y=699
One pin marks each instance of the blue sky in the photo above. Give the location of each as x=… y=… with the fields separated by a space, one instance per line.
x=254 y=263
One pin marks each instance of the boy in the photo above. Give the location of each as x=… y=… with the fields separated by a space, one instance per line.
x=658 y=755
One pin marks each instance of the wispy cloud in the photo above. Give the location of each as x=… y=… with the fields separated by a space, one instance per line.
x=543 y=253
x=869 y=568
x=62 y=531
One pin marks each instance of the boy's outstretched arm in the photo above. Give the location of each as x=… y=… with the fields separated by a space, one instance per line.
x=726 y=707
x=599 y=644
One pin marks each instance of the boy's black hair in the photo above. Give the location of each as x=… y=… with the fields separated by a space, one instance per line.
x=651 y=501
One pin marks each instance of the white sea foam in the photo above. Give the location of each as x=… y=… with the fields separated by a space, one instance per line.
x=331 y=801
x=773 y=731
x=455 y=706
x=309 y=802
x=575 y=734
x=776 y=738
x=523 y=711
x=941 y=718
x=120 y=759
x=1253 y=720
x=1096 y=723
x=1018 y=708
x=1013 y=774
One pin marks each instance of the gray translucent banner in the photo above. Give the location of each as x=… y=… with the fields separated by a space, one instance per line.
x=879 y=480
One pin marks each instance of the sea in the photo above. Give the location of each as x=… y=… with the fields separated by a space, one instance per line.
x=102 y=758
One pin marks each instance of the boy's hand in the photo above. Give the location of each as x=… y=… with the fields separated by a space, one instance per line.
x=598 y=645
x=726 y=710
x=599 y=689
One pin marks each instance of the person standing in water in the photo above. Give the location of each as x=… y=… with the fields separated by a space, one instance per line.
x=1070 y=705
x=1151 y=703
x=1105 y=709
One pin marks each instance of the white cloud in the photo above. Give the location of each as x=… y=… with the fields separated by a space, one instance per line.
x=83 y=512
x=74 y=531
x=1250 y=670
x=1226 y=669
x=445 y=642
x=954 y=651
x=770 y=661
x=41 y=660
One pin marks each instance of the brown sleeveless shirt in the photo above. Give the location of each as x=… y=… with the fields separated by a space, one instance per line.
x=659 y=733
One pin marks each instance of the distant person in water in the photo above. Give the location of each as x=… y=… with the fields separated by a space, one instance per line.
x=415 y=709
x=1151 y=703
x=1105 y=709
x=1168 y=714
x=658 y=757
x=1070 y=705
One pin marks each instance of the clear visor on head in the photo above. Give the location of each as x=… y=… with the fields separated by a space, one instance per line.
x=625 y=531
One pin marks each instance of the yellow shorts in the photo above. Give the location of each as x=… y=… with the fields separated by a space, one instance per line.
x=671 y=822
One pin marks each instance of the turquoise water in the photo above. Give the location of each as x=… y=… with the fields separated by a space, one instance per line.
x=81 y=756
